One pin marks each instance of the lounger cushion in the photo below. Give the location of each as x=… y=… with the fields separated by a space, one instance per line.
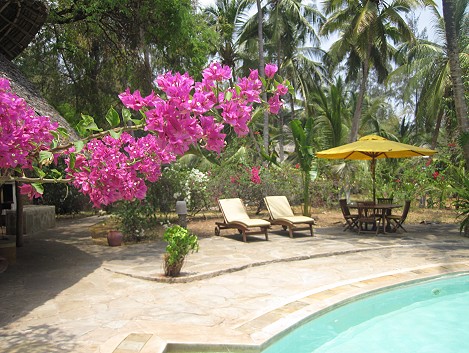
x=248 y=222
x=279 y=207
x=296 y=219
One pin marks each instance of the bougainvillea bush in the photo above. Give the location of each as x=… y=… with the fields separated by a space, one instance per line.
x=114 y=165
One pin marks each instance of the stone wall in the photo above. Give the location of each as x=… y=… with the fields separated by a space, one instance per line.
x=36 y=218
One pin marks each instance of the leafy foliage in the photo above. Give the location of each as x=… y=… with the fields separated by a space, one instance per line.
x=461 y=188
x=180 y=243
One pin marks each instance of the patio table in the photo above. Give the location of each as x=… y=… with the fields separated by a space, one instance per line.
x=384 y=207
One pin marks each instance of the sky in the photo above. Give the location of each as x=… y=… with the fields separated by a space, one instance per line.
x=425 y=20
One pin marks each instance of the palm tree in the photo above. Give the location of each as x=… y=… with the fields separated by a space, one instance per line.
x=331 y=107
x=224 y=16
x=303 y=135
x=429 y=68
x=288 y=26
x=366 y=28
x=449 y=15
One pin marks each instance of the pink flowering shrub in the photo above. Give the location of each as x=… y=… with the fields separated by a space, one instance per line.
x=255 y=178
x=114 y=165
x=270 y=70
x=23 y=134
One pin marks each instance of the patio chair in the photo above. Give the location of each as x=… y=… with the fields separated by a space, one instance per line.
x=350 y=219
x=399 y=219
x=236 y=217
x=385 y=201
x=368 y=214
x=281 y=213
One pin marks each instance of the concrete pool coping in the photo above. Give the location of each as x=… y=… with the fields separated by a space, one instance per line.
x=275 y=324
x=93 y=298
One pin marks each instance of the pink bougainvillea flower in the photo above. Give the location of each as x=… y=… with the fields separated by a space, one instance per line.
x=28 y=189
x=275 y=104
x=23 y=134
x=186 y=113
x=135 y=101
x=270 y=70
x=215 y=139
x=176 y=85
x=281 y=89
x=255 y=178
x=217 y=72
x=4 y=84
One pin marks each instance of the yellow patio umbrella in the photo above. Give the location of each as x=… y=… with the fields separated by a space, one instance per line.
x=373 y=147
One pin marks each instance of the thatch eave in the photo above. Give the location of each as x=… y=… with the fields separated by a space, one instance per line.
x=20 y=20
x=26 y=90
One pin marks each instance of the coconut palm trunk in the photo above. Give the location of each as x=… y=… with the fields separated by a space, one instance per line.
x=456 y=75
x=260 y=40
x=358 y=108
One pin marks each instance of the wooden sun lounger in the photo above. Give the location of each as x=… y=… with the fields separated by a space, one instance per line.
x=236 y=217
x=281 y=213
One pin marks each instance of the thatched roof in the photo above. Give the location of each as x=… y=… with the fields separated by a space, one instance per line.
x=20 y=20
x=25 y=89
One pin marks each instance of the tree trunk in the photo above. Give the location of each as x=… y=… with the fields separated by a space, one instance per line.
x=456 y=75
x=19 y=216
x=306 y=200
x=358 y=108
x=147 y=75
x=260 y=40
x=436 y=132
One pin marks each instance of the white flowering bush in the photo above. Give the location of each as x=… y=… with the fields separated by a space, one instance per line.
x=194 y=190
x=179 y=183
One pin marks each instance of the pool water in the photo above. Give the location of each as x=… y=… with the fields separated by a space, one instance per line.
x=426 y=317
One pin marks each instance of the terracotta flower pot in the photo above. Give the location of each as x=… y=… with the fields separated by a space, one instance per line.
x=114 y=238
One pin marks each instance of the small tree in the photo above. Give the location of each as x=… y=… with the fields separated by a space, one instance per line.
x=303 y=137
x=180 y=244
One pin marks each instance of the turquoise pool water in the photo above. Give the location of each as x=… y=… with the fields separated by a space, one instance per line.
x=427 y=317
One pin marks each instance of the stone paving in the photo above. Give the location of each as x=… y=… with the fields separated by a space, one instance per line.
x=66 y=294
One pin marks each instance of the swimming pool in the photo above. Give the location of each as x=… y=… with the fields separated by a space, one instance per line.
x=431 y=316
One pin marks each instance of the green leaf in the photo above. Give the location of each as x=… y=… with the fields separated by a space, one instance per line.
x=126 y=115
x=79 y=145
x=72 y=160
x=89 y=124
x=45 y=157
x=113 y=118
x=137 y=121
x=115 y=134
x=314 y=171
x=86 y=125
x=62 y=132
x=56 y=173
x=38 y=187
x=228 y=95
x=39 y=172
x=263 y=81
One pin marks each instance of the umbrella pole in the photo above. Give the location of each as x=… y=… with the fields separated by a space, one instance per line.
x=373 y=177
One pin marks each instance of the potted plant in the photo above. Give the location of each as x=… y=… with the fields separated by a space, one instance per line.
x=114 y=238
x=180 y=243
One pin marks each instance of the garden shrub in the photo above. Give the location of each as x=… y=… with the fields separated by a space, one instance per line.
x=135 y=219
x=66 y=199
